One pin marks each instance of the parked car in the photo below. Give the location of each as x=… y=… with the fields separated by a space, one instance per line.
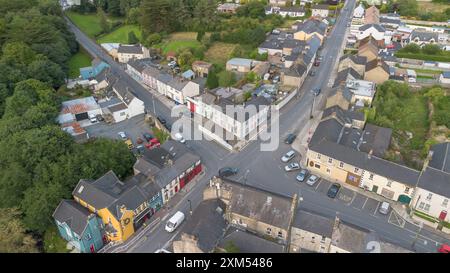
x=172 y=64
x=179 y=137
x=316 y=91
x=174 y=221
x=290 y=139
x=153 y=143
x=312 y=73
x=301 y=176
x=122 y=135
x=162 y=120
x=93 y=118
x=276 y=79
x=168 y=126
x=100 y=117
x=140 y=149
x=228 y=171
x=147 y=136
x=292 y=167
x=444 y=248
x=312 y=180
x=384 y=208
x=129 y=144
x=333 y=190
x=288 y=156
x=139 y=140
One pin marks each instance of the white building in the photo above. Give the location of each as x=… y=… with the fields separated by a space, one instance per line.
x=286 y=11
x=445 y=77
x=362 y=90
x=128 y=52
x=130 y=106
x=359 y=11
x=320 y=10
x=374 y=30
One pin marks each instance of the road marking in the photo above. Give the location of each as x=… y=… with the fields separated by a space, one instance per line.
x=367 y=198
x=320 y=182
x=376 y=208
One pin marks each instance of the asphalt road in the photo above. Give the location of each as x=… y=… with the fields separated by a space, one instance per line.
x=264 y=169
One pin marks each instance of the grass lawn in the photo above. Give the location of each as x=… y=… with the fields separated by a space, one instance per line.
x=179 y=45
x=432 y=6
x=219 y=53
x=53 y=243
x=120 y=35
x=77 y=61
x=88 y=23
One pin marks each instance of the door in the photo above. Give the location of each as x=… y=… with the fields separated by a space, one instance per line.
x=375 y=189
x=92 y=248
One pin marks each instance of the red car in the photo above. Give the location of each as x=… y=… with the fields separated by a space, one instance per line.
x=153 y=143
x=444 y=248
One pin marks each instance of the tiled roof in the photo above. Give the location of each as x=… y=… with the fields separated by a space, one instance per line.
x=73 y=214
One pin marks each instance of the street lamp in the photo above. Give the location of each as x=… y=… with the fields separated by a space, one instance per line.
x=312 y=106
x=190 y=207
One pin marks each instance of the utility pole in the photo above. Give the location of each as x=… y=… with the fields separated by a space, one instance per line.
x=312 y=106
x=190 y=206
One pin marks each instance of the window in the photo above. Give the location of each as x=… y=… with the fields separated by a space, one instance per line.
x=371 y=176
x=430 y=195
x=330 y=160
x=356 y=170
x=389 y=183
x=269 y=231
x=427 y=207
x=122 y=114
x=88 y=236
x=317 y=166
x=341 y=164
x=318 y=156
x=421 y=205
x=280 y=234
x=406 y=189
x=445 y=202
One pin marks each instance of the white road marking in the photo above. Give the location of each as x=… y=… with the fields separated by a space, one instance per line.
x=367 y=198
x=376 y=208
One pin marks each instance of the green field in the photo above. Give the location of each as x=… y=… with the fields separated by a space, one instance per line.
x=77 y=61
x=88 y=23
x=179 y=45
x=53 y=243
x=120 y=35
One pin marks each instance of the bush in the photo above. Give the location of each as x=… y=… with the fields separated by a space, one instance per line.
x=226 y=78
x=425 y=57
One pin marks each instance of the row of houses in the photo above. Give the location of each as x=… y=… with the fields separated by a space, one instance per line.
x=258 y=221
x=111 y=210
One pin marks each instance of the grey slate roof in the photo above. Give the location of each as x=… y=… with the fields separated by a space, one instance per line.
x=141 y=64
x=297 y=70
x=424 y=35
x=378 y=139
x=311 y=26
x=344 y=116
x=207 y=224
x=123 y=90
x=361 y=160
x=314 y=44
x=386 y=20
x=314 y=223
x=436 y=181
x=130 y=49
x=249 y=243
x=346 y=74
x=73 y=214
x=376 y=26
x=356 y=59
x=441 y=157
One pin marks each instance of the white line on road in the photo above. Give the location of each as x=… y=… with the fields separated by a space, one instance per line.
x=367 y=198
x=376 y=208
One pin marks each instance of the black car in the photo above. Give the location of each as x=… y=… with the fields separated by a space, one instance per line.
x=316 y=91
x=290 y=139
x=100 y=117
x=147 y=136
x=168 y=126
x=162 y=120
x=333 y=191
x=312 y=73
x=228 y=171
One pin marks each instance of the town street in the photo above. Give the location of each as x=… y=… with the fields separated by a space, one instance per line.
x=264 y=169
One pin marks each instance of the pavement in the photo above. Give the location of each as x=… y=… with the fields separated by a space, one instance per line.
x=265 y=169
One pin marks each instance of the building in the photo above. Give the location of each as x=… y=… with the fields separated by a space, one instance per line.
x=122 y=206
x=297 y=11
x=372 y=15
x=279 y=43
x=253 y=209
x=339 y=153
x=377 y=71
x=368 y=48
x=374 y=30
x=304 y=31
x=358 y=12
x=135 y=67
x=445 y=77
x=311 y=232
x=391 y=20
x=111 y=49
x=171 y=166
x=421 y=37
x=320 y=10
x=176 y=88
x=246 y=242
x=432 y=194
x=77 y=225
x=339 y=96
x=277 y=3
x=201 y=68
x=355 y=119
x=128 y=52
x=130 y=105
x=203 y=230
x=355 y=62
x=239 y=65
x=228 y=8
x=92 y=71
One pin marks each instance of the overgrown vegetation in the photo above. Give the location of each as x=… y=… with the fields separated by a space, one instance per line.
x=420 y=11
x=430 y=52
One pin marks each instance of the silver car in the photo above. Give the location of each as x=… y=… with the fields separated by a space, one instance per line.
x=292 y=167
x=288 y=156
x=312 y=180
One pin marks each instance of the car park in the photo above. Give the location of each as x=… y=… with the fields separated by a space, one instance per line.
x=228 y=171
x=312 y=180
x=292 y=167
x=288 y=156
x=290 y=139
x=301 y=176
x=122 y=135
x=333 y=190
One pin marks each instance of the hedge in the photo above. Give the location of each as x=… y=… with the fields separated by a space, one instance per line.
x=425 y=57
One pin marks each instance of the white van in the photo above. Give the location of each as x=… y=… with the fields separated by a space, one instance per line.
x=179 y=137
x=384 y=208
x=174 y=221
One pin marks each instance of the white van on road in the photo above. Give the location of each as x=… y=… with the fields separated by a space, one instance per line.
x=175 y=221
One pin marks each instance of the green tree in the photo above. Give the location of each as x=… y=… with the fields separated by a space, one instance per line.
x=155 y=16
x=133 y=16
x=185 y=58
x=212 y=81
x=431 y=49
x=13 y=237
x=104 y=24
x=227 y=78
x=230 y=247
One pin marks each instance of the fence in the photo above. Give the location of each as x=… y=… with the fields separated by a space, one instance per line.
x=287 y=99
